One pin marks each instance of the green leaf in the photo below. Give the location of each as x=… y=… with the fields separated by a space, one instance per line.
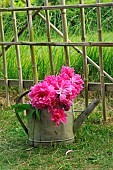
x=29 y=115
x=21 y=107
x=38 y=114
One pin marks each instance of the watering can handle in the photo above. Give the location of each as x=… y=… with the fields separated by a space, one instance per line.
x=17 y=114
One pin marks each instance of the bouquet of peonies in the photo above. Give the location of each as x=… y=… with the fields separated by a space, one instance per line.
x=56 y=93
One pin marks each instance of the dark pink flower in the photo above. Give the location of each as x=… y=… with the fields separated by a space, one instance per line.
x=42 y=95
x=67 y=70
x=77 y=82
x=58 y=116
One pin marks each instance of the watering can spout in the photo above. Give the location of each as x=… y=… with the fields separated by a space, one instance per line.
x=83 y=116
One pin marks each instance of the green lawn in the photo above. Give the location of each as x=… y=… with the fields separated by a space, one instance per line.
x=92 y=149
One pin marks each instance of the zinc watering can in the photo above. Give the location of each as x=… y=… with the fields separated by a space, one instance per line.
x=45 y=132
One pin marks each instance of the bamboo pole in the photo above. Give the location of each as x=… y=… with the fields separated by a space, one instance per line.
x=84 y=53
x=4 y=61
x=17 y=51
x=65 y=33
x=91 y=44
x=32 y=49
x=56 y=7
x=101 y=62
x=49 y=37
x=53 y=43
x=76 y=48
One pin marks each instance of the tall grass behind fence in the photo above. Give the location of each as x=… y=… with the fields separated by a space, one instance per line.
x=44 y=43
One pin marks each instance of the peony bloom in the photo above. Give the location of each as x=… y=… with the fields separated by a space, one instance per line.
x=77 y=82
x=42 y=95
x=67 y=70
x=58 y=116
x=51 y=80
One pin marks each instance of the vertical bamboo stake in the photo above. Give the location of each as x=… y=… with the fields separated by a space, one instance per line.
x=112 y=14
x=4 y=61
x=49 y=37
x=101 y=62
x=32 y=49
x=84 y=53
x=65 y=32
x=17 y=50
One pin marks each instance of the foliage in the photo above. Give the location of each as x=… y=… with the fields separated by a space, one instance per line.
x=19 y=108
x=17 y=3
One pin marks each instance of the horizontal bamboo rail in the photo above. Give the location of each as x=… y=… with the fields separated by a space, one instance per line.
x=103 y=44
x=110 y=4
x=92 y=86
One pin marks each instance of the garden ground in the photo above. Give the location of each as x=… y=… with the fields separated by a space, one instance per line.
x=92 y=149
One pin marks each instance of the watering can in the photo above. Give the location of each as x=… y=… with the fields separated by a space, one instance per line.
x=45 y=132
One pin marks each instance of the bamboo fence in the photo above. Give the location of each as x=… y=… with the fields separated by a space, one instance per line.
x=88 y=86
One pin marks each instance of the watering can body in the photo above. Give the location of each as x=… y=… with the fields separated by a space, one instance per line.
x=45 y=132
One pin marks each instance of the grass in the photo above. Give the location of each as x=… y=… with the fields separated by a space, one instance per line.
x=92 y=149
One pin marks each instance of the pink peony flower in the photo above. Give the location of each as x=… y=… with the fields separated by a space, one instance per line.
x=58 y=116
x=42 y=95
x=67 y=70
x=77 y=82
